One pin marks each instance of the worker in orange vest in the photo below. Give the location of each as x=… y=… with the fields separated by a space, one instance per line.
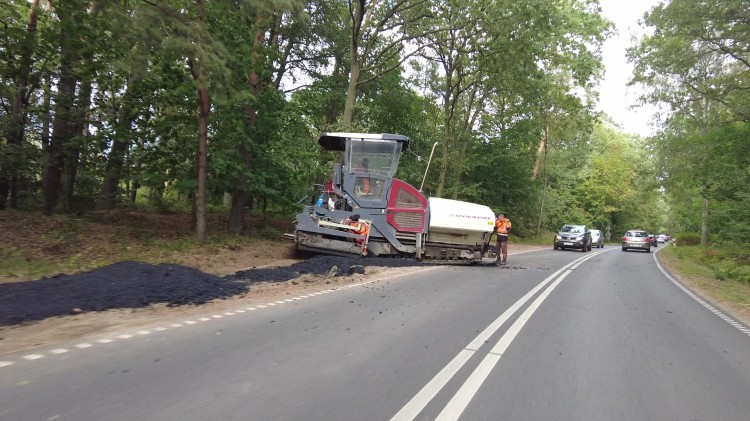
x=359 y=228
x=364 y=167
x=503 y=227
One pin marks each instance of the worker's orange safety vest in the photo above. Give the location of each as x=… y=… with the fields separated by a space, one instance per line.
x=503 y=225
x=360 y=228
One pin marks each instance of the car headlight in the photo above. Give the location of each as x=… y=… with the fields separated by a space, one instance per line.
x=557 y=237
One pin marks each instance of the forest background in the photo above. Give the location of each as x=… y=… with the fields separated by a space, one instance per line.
x=210 y=107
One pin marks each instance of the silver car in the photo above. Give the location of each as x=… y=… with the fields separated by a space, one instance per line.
x=636 y=239
x=597 y=239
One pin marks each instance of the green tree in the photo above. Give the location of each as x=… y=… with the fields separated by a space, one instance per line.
x=19 y=72
x=695 y=64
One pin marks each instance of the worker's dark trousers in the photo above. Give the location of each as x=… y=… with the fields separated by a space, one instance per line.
x=502 y=248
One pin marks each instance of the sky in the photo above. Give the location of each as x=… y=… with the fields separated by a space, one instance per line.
x=615 y=97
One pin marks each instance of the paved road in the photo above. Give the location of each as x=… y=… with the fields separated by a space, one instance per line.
x=557 y=335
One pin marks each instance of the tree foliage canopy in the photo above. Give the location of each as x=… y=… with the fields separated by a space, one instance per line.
x=696 y=64
x=101 y=105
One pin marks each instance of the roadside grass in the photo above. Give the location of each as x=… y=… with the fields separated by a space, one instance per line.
x=544 y=238
x=720 y=272
x=13 y=264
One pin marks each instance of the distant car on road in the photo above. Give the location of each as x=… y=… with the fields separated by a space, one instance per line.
x=597 y=239
x=573 y=237
x=652 y=239
x=636 y=239
x=662 y=238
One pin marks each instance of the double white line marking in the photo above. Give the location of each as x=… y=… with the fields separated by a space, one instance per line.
x=461 y=399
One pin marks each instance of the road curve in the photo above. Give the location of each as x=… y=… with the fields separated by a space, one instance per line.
x=558 y=335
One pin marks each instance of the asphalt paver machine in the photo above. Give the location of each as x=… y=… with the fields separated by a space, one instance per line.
x=401 y=220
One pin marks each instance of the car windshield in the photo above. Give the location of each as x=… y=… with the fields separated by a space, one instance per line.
x=636 y=234
x=575 y=229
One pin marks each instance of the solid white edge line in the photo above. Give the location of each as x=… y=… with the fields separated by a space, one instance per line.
x=739 y=326
x=428 y=392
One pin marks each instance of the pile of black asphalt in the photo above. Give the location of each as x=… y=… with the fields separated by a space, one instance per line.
x=131 y=284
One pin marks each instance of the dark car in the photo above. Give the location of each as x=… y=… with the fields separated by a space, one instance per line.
x=652 y=239
x=573 y=237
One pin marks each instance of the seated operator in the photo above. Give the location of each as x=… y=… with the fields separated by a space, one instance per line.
x=364 y=167
x=359 y=228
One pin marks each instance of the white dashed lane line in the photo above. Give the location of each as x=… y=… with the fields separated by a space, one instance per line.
x=32 y=357
x=125 y=336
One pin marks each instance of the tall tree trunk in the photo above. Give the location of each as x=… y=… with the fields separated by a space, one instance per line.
x=62 y=132
x=460 y=164
x=358 y=17
x=45 y=114
x=61 y=152
x=334 y=106
x=705 y=188
x=200 y=214
x=443 y=163
x=239 y=198
x=239 y=190
x=469 y=121
x=204 y=106
x=73 y=147
x=113 y=174
x=17 y=119
x=448 y=132
x=704 y=214
x=545 y=177
x=539 y=152
x=116 y=158
x=351 y=95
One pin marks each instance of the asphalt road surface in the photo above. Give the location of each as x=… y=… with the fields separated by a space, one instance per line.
x=556 y=335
